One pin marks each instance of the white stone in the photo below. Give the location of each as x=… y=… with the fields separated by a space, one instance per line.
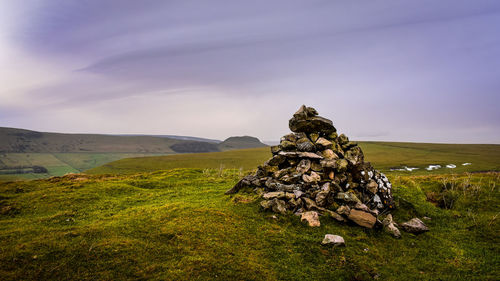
x=334 y=240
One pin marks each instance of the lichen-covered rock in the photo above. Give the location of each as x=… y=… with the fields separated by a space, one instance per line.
x=304 y=144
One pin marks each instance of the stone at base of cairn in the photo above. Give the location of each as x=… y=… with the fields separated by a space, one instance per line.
x=315 y=169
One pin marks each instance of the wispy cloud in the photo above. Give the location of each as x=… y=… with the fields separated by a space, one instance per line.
x=380 y=66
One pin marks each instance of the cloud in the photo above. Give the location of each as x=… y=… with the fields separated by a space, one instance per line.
x=383 y=66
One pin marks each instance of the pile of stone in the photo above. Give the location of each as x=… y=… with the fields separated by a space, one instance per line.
x=314 y=171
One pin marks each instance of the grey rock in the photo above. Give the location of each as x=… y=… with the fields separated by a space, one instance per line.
x=304 y=144
x=347 y=197
x=334 y=240
x=414 y=225
x=321 y=198
x=279 y=206
x=390 y=227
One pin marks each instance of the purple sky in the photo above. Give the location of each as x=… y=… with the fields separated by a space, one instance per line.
x=381 y=70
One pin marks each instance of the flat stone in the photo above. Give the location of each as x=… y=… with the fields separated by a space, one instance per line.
x=309 y=155
x=272 y=195
x=275 y=149
x=311 y=217
x=348 y=197
x=276 y=160
x=334 y=240
x=311 y=124
x=324 y=143
x=331 y=213
x=309 y=203
x=414 y=225
x=362 y=218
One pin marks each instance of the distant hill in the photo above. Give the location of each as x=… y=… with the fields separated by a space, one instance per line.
x=14 y=140
x=240 y=143
x=176 y=137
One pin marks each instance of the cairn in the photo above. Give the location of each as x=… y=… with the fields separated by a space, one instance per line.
x=314 y=171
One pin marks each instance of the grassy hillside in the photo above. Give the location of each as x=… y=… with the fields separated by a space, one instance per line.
x=25 y=141
x=178 y=225
x=14 y=140
x=383 y=155
x=57 y=164
x=21 y=150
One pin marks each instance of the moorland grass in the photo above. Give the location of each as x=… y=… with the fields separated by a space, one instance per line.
x=178 y=225
x=383 y=156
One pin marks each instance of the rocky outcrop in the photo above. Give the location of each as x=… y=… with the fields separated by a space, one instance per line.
x=315 y=169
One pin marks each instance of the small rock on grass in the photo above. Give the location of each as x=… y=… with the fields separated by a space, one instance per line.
x=334 y=240
x=414 y=225
x=390 y=227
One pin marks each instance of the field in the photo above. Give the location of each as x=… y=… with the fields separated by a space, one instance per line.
x=58 y=164
x=383 y=155
x=147 y=219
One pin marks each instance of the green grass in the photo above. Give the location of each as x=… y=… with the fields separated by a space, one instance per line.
x=246 y=159
x=383 y=155
x=59 y=164
x=178 y=225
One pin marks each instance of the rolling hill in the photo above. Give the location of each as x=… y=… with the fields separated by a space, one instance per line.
x=22 y=150
x=14 y=140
